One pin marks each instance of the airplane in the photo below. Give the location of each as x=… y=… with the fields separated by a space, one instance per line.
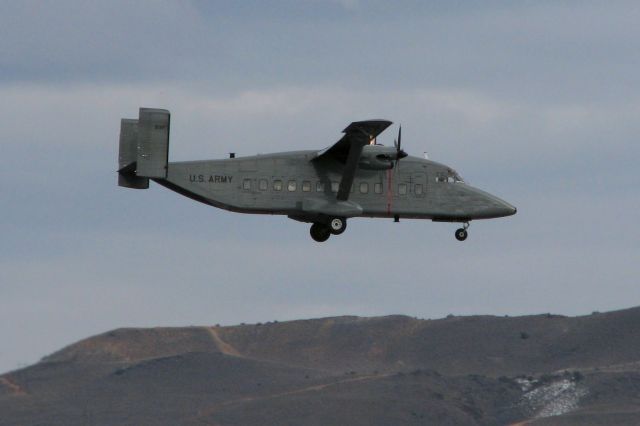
x=355 y=177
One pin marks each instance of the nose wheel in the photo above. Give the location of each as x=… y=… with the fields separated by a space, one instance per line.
x=462 y=234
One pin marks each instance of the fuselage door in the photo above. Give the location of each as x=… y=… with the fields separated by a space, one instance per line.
x=418 y=185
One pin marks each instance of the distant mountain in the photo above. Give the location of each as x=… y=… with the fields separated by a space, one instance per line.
x=395 y=370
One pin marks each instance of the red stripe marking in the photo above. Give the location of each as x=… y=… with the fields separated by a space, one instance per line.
x=389 y=192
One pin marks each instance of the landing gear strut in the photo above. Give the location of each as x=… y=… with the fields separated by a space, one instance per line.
x=461 y=234
x=320 y=232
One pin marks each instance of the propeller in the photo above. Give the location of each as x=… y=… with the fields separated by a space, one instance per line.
x=399 y=155
x=398 y=144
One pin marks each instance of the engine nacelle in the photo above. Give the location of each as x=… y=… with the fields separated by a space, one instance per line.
x=377 y=157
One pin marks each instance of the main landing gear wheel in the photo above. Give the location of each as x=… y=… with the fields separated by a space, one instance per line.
x=320 y=232
x=337 y=225
x=461 y=234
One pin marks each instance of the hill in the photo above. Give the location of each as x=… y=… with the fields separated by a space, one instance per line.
x=475 y=370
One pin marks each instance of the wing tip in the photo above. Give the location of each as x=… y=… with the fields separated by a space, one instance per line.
x=372 y=127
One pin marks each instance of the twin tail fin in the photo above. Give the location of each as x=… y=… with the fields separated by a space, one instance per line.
x=144 y=148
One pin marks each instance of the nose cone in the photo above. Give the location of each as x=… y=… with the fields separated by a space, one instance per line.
x=508 y=209
x=489 y=206
x=498 y=208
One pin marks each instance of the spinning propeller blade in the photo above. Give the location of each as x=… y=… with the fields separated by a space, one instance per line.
x=398 y=144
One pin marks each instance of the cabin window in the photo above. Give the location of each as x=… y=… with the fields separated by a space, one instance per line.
x=320 y=186
x=246 y=184
x=402 y=189
x=364 y=188
x=306 y=186
x=292 y=186
x=418 y=189
x=441 y=178
x=377 y=188
x=263 y=185
x=335 y=186
x=277 y=185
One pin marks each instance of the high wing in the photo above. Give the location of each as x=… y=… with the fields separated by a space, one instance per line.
x=358 y=132
x=348 y=149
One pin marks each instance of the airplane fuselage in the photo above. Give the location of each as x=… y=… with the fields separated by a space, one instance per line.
x=287 y=183
x=354 y=177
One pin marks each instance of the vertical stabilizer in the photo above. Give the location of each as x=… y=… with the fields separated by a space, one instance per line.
x=128 y=155
x=144 y=148
x=153 y=143
x=128 y=142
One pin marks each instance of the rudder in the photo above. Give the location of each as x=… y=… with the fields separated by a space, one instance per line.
x=153 y=143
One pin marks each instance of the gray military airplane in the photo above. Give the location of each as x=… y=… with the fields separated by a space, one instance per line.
x=355 y=177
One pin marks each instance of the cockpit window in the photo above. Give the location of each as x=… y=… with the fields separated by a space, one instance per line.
x=451 y=177
x=456 y=177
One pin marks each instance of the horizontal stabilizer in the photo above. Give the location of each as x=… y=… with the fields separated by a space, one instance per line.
x=127 y=178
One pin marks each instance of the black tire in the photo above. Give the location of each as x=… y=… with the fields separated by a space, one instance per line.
x=337 y=225
x=320 y=232
x=461 y=234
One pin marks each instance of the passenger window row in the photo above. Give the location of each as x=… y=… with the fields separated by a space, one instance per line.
x=292 y=186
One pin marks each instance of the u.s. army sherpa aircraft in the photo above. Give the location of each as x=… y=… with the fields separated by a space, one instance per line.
x=353 y=178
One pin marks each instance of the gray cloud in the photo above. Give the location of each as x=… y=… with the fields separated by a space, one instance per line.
x=573 y=50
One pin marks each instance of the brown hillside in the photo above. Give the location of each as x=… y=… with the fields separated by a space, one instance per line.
x=543 y=369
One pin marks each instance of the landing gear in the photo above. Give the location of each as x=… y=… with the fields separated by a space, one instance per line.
x=461 y=234
x=320 y=232
x=337 y=225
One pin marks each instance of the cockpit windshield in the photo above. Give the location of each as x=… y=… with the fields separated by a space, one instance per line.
x=450 y=177
x=454 y=177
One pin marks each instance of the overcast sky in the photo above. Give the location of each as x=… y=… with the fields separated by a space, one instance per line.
x=537 y=102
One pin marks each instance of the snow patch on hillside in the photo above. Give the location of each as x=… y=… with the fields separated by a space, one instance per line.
x=551 y=399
